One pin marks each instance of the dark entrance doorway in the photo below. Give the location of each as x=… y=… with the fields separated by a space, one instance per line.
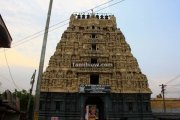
x=94 y=107
x=94 y=79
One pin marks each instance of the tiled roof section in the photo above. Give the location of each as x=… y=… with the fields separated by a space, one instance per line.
x=5 y=37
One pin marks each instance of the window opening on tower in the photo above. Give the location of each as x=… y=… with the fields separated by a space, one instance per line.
x=93 y=46
x=93 y=60
x=93 y=36
x=93 y=27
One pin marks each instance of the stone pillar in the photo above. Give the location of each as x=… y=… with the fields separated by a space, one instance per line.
x=123 y=103
x=106 y=103
x=82 y=106
x=142 y=104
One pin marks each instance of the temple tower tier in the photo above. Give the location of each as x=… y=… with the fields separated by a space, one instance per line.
x=93 y=75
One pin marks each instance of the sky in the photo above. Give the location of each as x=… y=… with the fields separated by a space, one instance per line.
x=150 y=27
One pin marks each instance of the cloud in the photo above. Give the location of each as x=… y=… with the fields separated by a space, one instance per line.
x=16 y=58
x=21 y=66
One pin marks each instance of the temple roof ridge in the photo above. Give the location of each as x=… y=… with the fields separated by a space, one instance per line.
x=84 y=15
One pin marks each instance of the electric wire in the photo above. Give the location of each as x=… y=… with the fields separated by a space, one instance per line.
x=98 y=6
x=30 y=37
x=173 y=79
x=61 y=22
x=40 y=35
x=10 y=70
x=171 y=86
x=170 y=90
x=37 y=33
x=110 y=5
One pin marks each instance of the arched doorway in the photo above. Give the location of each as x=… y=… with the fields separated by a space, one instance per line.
x=94 y=105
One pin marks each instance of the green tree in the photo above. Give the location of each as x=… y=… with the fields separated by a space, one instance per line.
x=23 y=98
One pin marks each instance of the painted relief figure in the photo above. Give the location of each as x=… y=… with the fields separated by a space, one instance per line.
x=91 y=112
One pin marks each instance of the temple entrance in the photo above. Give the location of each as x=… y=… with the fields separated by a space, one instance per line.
x=94 y=108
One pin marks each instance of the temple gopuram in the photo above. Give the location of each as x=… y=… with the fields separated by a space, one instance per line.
x=93 y=75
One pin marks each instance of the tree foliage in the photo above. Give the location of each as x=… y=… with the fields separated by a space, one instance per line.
x=23 y=98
